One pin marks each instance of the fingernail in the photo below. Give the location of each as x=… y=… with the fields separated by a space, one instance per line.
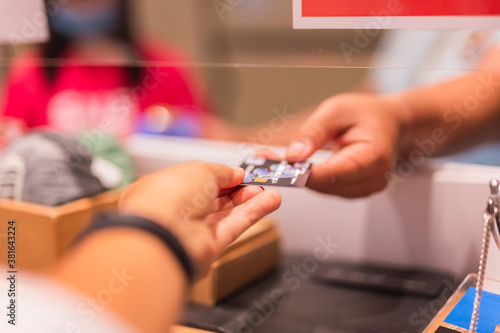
x=262 y=187
x=297 y=148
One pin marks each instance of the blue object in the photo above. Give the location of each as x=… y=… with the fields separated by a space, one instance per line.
x=80 y=24
x=489 y=311
x=184 y=125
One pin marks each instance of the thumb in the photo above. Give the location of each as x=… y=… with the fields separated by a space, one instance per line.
x=225 y=176
x=315 y=133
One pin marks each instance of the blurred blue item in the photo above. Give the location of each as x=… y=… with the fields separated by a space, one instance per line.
x=489 y=316
x=80 y=24
x=485 y=154
x=166 y=120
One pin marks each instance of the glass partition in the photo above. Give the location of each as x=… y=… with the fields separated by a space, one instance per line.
x=240 y=62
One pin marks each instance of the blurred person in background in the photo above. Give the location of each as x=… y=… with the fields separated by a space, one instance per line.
x=94 y=74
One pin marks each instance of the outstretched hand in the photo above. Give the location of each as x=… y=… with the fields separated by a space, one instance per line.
x=201 y=204
x=364 y=131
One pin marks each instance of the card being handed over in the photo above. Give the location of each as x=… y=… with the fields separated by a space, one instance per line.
x=259 y=171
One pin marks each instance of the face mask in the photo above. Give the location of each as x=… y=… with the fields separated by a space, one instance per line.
x=77 y=25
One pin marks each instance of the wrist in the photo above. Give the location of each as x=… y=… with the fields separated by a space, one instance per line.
x=194 y=236
x=401 y=111
x=141 y=224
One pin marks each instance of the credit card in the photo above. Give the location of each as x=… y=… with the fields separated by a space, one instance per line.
x=264 y=172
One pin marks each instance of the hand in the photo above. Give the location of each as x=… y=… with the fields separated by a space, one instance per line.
x=198 y=202
x=365 y=131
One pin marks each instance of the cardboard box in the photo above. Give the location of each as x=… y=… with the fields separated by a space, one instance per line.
x=255 y=253
x=43 y=233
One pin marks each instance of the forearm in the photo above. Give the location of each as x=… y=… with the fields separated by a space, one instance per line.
x=131 y=273
x=453 y=115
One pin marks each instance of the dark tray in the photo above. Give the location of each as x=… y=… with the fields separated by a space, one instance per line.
x=301 y=297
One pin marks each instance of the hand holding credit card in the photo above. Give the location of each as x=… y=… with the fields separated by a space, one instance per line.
x=263 y=172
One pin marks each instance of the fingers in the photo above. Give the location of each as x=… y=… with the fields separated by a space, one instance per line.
x=366 y=134
x=248 y=206
x=322 y=126
x=238 y=197
x=351 y=190
x=354 y=162
x=241 y=217
x=224 y=204
x=357 y=163
x=225 y=176
x=227 y=191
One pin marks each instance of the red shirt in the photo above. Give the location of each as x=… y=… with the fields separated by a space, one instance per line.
x=84 y=97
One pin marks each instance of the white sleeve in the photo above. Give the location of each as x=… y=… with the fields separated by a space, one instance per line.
x=44 y=306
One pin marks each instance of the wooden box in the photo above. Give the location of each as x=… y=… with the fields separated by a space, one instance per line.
x=43 y=233
x=253 y=254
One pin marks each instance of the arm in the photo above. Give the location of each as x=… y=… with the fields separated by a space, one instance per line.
x=465 y=110
x=151 y=286
x=369 y=131
x=198 y=204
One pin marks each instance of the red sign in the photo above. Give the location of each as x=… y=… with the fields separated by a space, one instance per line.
x=322 y=8
x=396 y=14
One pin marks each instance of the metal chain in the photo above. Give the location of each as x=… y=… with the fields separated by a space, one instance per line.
x=488 y=223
